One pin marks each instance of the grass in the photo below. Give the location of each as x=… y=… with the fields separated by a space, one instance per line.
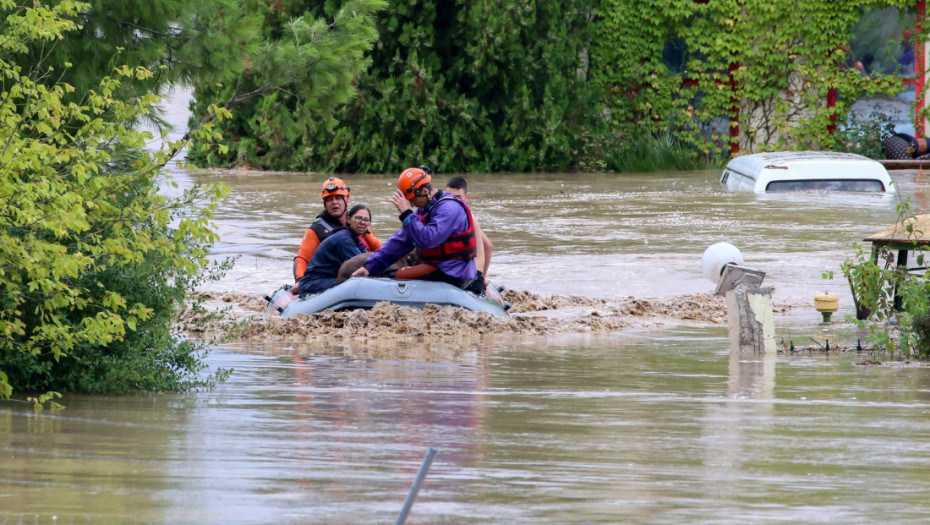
x=658 y=152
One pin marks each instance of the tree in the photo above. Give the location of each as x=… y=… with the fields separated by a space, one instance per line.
x=95 y=264
x=175 y=39
x=306 y=69
x=462 y=86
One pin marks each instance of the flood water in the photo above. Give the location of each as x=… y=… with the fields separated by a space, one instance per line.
x=635 y=427
x=602 y=236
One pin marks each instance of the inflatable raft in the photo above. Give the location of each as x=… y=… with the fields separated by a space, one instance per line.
x=365 y=292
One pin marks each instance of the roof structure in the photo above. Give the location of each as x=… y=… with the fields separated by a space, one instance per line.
x=898 y=233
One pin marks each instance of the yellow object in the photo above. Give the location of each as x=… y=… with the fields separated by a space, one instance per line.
x=826 y=304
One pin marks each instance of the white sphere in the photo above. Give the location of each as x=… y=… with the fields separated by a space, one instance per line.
x=716 y=257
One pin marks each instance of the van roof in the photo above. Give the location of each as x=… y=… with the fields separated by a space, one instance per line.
x=782 y=159
x=808 y=165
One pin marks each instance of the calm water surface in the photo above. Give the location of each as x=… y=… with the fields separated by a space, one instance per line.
x=636 y=427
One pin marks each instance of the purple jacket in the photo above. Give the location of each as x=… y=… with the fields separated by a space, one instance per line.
x=446 y=218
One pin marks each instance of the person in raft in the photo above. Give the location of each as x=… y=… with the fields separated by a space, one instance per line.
x=437 y=224
x=335 y=197
x=343 y=243
x=458 y=186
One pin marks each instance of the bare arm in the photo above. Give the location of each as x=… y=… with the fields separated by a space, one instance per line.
x=488 y=248
x=480 y=252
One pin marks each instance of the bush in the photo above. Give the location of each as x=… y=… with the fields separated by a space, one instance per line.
x=864 y=136
x=96 y=263
x=896 y=300
x=658 y=152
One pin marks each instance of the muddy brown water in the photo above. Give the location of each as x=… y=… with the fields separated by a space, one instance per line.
x=651 y=423
x=601 y=236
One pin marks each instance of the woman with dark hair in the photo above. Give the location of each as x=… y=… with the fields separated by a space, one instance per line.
x=336 y=249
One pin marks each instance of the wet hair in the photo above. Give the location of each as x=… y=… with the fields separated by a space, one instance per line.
x=355 y=209
x=458 y=183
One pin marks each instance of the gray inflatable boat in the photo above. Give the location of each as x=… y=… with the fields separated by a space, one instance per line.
x=365 y=292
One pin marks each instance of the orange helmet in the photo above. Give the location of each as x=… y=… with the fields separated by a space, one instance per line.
x=412 y=179
x=334 y=186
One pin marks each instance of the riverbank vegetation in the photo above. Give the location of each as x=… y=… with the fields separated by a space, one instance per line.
x=657 y=151
x=520 y=86
x=464 y=86
x=97 y=263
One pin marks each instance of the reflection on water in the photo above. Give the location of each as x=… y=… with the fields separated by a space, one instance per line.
x=645 y=428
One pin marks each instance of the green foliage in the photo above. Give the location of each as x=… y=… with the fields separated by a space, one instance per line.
x=175 y=39
x=95 y=264
x=520 y=85
x=864 y=137
x=317 y=60
x=657 y=152
x=896 y=299
x=733 y=62
x=47 y=400
x=462 y=86
x=920 y=328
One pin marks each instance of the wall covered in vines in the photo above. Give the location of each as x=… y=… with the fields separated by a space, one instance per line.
x=691 y=67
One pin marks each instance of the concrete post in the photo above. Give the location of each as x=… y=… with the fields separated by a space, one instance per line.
x=751 y=320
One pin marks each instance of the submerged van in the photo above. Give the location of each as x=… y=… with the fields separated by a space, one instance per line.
x=806 y=171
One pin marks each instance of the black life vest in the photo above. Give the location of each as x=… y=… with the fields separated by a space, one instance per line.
x=322 y=226
x=459 y=245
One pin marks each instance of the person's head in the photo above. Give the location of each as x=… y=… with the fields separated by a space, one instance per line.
x=867 y=60
x=458 y=186
x=335 y=196
x=359 y=219
x=414 y=183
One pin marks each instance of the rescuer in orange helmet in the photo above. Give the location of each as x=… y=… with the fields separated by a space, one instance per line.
x=438 y=224
x=335 y=195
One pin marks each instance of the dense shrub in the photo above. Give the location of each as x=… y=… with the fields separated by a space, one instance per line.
x=658 y=151
x=896 y=300
x=95 y=263
x=461 y=86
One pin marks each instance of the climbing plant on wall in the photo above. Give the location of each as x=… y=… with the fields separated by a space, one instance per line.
x=772 y=62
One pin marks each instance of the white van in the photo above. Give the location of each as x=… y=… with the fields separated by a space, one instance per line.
x=806 y=171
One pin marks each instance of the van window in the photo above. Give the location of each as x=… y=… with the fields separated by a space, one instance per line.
x=861 y=185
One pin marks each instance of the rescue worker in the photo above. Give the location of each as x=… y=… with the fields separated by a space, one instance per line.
x=340 y=245
x=458 y=186
x=441 y=228
x=335 y=195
